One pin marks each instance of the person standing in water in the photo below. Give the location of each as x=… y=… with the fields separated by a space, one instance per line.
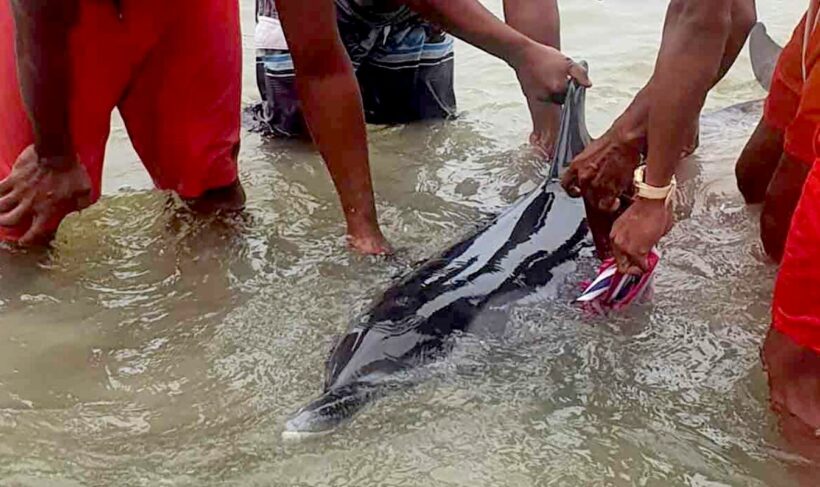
x=779 y=168
x=777 y=159
x=172 y=68
x=701 y=40
x=404 y=65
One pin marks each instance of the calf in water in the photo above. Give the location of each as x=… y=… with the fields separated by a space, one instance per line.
x=526 y=250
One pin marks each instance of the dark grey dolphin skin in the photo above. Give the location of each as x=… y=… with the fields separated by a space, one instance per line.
x=764 y=52
x=524 y=251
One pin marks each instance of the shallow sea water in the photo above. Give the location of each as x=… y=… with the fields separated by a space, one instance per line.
x=152 y=348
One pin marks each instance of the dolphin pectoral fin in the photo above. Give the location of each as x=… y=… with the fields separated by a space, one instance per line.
x=327 y=413
x=764 y=52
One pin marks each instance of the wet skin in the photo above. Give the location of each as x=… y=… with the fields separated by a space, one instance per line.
x=526 y=251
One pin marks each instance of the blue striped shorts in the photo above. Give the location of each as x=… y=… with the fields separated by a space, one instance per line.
x=404 y=66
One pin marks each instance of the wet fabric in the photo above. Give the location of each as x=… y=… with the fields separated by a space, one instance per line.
x=793 y=104
x=404 y=66
x=796 y=307
x=173 y=69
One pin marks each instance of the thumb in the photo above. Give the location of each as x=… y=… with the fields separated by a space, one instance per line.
x=570 y=183
x=578 y=73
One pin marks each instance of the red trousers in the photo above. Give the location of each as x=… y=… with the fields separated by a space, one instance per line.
x=172 y=68
x=793 y=106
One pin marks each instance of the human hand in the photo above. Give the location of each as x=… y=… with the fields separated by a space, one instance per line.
x=41 y=194
x=635 y=232
x=544 y=73
x=603 y=172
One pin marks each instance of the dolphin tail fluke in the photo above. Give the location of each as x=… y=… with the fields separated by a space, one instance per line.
x=764 y=52
x=327 y=413
x=573 y=135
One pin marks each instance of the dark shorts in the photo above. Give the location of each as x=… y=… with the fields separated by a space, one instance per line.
x=403 y=64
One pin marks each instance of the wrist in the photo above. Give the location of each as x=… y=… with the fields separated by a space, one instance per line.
x=57 y=163
x=658 y=178
x=630 y=134
x=55 y=146
x=519 y=51
x=631 y=127
x=658 y=189
x=649 y=203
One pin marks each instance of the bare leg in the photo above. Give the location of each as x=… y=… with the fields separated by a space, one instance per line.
x=782 y=197
x=540 y=21
x=758 y=161
x=794 y=382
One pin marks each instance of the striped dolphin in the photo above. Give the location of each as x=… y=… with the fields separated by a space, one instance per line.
x=524 y=251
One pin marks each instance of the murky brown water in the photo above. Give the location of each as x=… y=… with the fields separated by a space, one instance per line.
x=150 y=348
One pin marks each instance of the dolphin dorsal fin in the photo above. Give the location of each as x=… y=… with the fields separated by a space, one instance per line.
x=573 y=136
x=764 y=52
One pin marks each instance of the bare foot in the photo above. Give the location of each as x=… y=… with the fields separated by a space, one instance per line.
x=542 y=144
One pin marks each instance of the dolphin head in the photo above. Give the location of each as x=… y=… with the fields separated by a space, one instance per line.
x=328 y=412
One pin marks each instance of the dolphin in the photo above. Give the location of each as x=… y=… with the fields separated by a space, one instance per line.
x=525 y=251
x=764 y=52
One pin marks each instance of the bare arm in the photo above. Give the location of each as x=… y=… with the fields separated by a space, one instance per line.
x=688 y=65
x=332 y=107
x=42 y=29
x=543 y=71
x=537 y=19
x=701 y=40
x=472 y=22
x=693 y=57
x=633 y=124
x=47 y=180
x=540 y=21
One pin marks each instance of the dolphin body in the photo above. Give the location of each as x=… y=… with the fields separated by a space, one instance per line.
x=524 y=251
